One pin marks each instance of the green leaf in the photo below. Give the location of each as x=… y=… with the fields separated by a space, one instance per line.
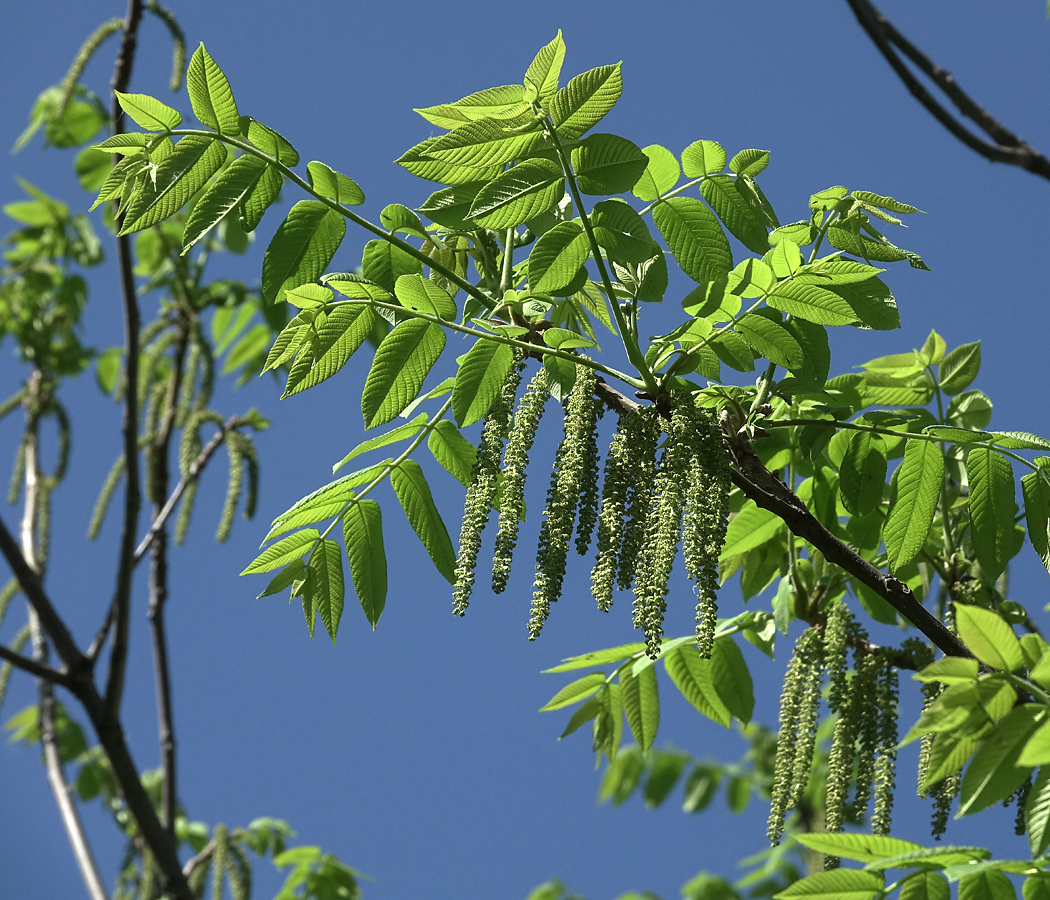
x=749 y=162
x=413 y=492
x=949 y=670
x=932 y=856
x=918 y=487
x=872 y=303
x=993 y=773
x=148 y=112
x=541 y=77
x=129 y=143
x=989 y=638
x=557 y=258
x=399 y=368
x=229 y=190
x=991 y=508
x=401 y=433
x=864 y=848
x=210 y=94
x=1019 y=440
x=622 y=232
x=810 y=302
x=334 y=341
x=383 y=263
x=332 y=184
x=771 y=339
x=960 y=368
x=418 y=160
x=838 y=884
x=987 y=885
x=578 y=690
x=1037 y=885
x=485 y=143
x=971 y=409
x=585 y=100
x=695 y=238
x=742 y=220
x=732 y=680
x=522 y=193
x=702 y=158
x=363 y=536
x=309 y=296
x=862 y=474
x=692 y=675
x=925 y=885
x=607 y=164
x=453 y=451
x=283 y=552
x=177 y=178
x=1036 y=491
x=1037 y=820
x=641 y=704
x=450 y=206
x=266 y=190
x=660 y=175
x=301 y=248
x=480 y=378
x=325 y=502
x=584 y=714
x=1037 y=751
x=479 y=105
x=396 y=217
x=598 y=658
x=419 y=294
x=751 y=527
x=269 y=141
x=326 y=563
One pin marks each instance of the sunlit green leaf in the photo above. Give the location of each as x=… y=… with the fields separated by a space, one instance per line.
x=585 y=100
x=960 y=368
x=862 y=474
x=541 y=77
x=421 y=295
x=413 y=492
x=479 y=105
x=838 y=884
x=990 y=639
x=641 y=704
x=557 y=257
x=301 y=248
x=703 y=158
x=363 y=536
x=399 y=368
x=326 y=563
x=993 y=774
x=607 y=164
x=334 y=185
x=694 y=237
x=660 y=174
x=148 y=112
x=742 y=220
x=228 y=191
x=210 y=94
x=572 y=693
x=991 y=508
x=480 y=378
x=283 y=552
x=521 y=193
x=918 y=488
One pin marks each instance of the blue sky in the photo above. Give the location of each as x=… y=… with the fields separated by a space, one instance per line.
x=415 y=753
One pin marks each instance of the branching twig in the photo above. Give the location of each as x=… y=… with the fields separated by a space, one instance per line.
x=34 y=668
x=1005 y=146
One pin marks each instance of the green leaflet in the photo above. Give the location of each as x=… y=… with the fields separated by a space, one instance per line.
x=585 y=100
x=911 y=514
x=1037 y=751
x=692 y=676
x=814 y=304
x=993 y=773
x=838 y=884
x=988 y=884
x=959 y=368
x=291 y=339
x=1037 y=821
x=557 y=257
x=210 y=94
x=991 y=508
x=334 y=185
x=325 y=502
x=309 y=296
x=872 y=303
x=520 y=194
x=266 y=190
x=413 y=492
x=925 y=885
x=178 y=177
x=421 y=295
x=862 y=474
x=989 y=638
x=607 y=164
x=453 y=452
x=695 y=238
x=230 y=190
x=661 y=174
x=418 y=161
x=269 y=141
x=401 y=433
x=598 y=658
x=750 y=528
x=283 y=552
x=641 y=703
x=363 y=536
x=290 y=574
x=326 y=564
x=739 y=216
x=702 y=158
x=771 y=339
x=749 y=162
x=383 y=263
x=451 y=206
x=326 y=347
x=479 y=105
x=622 y=232
x=399 y=368
x=574 y=692
x=487 y=142
x=148 y=112
x=732 y=679
x=396 y=217
x=864 y=848
x=1036 y=493
x=301 y=248
x=541 y=77
x=479 y=379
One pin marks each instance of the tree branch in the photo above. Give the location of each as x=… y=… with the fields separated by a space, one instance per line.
x=132 y=499
x=1005 y=147
x=34 y=668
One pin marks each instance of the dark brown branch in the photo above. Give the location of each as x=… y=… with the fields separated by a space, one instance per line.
x=132 y=499
x=34 y=668
x=1005 y=146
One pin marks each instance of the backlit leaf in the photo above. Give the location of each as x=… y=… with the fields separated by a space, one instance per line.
x=453 y=451
x=334 y=185
x=283 y=552
x=771 y=340
x=991 y=508
x=692 y=675
x=230 y=190
x=301 y=248
x=479 y=105
x=344 y=329
x=541 y=77
x=742 y=220
x=572 y=693
x=521 y=193
x=413 y=492
x=210 y=94
x=419 y=294
x=660 y=175
x=641 y=704
x=480 y=378
x=1037 y=816
x=960 y=368
x=695 y=238
x=749 y=162
x=585 y=100
x=993 y=773
x=399 y=368
x=990 y=639
x=1036 y=491
x=837 y=884
x=607 y=164
x=363 y=536
x=862 y=474
x=810 y=302
x=326 y=564
x=864 y=848
x=911 y=515
x=557 y=257
x=148 y=112
x=702 y=158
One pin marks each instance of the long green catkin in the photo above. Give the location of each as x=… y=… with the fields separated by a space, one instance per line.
x=615 y=486
x=640 y=450
x=563 y=497
x=515 y=463
x=484 y=480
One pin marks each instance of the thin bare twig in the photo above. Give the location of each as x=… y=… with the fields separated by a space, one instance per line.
x=34 y=668
x=1005 y=146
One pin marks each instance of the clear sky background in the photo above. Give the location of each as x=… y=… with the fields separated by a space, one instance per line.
x=415 y=753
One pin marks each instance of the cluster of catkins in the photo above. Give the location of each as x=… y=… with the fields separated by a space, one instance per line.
x=863 y=747
x=651 y=497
